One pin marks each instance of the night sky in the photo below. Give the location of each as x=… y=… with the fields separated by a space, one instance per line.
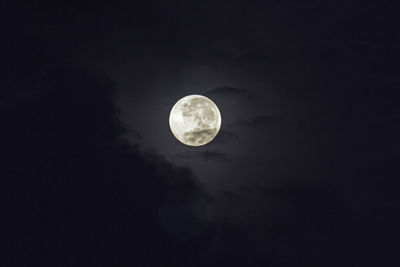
x=304 y=171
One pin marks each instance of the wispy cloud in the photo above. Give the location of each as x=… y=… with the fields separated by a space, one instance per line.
x=260 y=121
x=227 y=90
x=204 y=155
x=225 y=136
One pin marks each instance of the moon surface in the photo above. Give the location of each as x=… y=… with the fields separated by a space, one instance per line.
x=195 y=120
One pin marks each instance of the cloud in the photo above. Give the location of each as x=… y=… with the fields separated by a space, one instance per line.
x=211 y=155
x=227 y=90
x=204 y=155
x=225 y=136
x=76 y=190
x=132 y=136
x=232 y=196
x=260 y=121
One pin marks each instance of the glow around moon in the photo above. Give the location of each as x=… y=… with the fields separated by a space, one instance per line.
x=195 y=120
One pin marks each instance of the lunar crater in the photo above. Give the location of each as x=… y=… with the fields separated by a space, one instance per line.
x=199 y=136
x=195 y=120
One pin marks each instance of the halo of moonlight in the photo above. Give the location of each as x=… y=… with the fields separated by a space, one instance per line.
x=195 y=120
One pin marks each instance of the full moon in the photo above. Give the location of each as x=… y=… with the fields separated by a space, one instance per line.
x=195 y=120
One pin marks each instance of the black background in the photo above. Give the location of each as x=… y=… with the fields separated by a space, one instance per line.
x=303 y=173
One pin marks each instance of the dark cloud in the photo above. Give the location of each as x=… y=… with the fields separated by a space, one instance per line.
x=260 y=121
x=232 y=196
x=133 y=136
x=225 y=136
x=204 y=155
x=227 y=90
x=76 y=191
x=213 y=155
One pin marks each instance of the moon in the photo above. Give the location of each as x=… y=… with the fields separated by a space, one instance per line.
x=195 y=120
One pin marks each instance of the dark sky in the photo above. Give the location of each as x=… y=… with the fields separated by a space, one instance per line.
x=304 y=171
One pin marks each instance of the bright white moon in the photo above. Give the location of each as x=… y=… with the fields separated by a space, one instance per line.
x=195 y=120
